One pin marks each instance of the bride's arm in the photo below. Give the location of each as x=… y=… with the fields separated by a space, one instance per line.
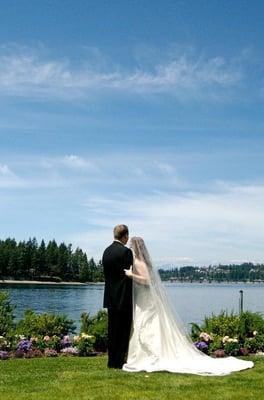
x=140 y=273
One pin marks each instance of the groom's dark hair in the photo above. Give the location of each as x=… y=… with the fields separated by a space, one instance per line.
x=120 y=231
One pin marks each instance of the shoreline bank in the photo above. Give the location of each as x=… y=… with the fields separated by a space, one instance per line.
x=27 y=282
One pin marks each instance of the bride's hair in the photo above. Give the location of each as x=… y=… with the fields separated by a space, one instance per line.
x=140 y=250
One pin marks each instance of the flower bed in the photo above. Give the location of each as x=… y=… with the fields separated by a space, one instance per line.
x=49 y=335
x=230 y=334
x=22 y=347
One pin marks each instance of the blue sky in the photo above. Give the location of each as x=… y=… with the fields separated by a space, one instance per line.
x=148 y=113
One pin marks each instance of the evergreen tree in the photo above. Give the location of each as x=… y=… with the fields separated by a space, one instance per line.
x=84 y=269
x=21 y=260
x=52 y=258
x=34 y=265
x=64 y=262
x=42 y=267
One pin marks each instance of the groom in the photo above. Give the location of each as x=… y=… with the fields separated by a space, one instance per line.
x=118 y=296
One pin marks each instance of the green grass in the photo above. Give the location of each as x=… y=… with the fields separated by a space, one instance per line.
x=88 y=378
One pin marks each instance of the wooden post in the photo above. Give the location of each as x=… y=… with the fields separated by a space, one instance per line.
x=241 y=302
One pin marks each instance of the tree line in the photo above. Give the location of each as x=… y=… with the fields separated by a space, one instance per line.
x=56 y=262
x=59 y=262
x=247 y=272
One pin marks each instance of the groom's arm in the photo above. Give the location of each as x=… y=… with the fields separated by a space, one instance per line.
x=128 y=259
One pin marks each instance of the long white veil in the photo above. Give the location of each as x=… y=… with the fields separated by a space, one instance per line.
x=159 y=340
x=155 y=292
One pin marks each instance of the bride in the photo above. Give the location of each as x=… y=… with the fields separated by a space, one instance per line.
x=158 y=342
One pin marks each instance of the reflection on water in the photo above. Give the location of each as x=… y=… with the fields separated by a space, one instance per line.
x=192 y=301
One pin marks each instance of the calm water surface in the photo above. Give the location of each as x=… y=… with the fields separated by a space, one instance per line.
x=192 y=301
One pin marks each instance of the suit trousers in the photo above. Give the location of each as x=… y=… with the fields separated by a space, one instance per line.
x=119 y=327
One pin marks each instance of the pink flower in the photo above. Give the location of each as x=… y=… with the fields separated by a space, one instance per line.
x=50 y=353
x=66 y=339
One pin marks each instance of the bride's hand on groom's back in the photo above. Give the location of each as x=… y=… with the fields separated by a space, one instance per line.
x=128 y=272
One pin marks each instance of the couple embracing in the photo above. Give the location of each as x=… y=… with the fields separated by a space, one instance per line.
x=144 y=332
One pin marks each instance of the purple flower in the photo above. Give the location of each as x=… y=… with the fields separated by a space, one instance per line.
x=66 y=341
x=244 y=351
x=3 y=355
x=24 y=345
x=202 y=346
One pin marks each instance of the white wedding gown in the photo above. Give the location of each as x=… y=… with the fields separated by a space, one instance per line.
x=158 y=342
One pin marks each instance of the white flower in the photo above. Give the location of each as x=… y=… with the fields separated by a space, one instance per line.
x=255 y=333
x=231 y=340
x=225 y=339
x=85 y=336
x=22 y=337
x=205 y=336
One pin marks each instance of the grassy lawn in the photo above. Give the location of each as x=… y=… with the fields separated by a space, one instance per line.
x=88 y=378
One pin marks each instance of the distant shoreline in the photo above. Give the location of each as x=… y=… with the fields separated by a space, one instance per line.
x=27 y=282
x=212 y=281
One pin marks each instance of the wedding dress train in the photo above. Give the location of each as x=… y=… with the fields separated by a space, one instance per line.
x=158 y=341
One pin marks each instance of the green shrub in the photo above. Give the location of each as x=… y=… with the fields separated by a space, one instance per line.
x=216 y=344
x=99 y=329
x=6 y=315
x=195 y=331
x=85 y=344
x=44 y=324
x=255 y=343
x=250 y=322
x=85 y=322
x=96 y=326
x=232 y=348
x=223 y=324
x=232 y=325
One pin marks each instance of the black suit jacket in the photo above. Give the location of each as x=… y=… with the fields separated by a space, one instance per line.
x=118 y=287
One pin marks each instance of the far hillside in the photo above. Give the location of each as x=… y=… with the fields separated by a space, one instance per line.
x=246 y=272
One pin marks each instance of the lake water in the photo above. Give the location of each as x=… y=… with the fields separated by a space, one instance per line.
x=192 y=301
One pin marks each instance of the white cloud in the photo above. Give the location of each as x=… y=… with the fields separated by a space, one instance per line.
x=5 y=170
x=74 y=161
x=8 y=179
x=208 y=227
x=182 y=222
x=96 y=171
x=165 y=168
x=26 y=74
